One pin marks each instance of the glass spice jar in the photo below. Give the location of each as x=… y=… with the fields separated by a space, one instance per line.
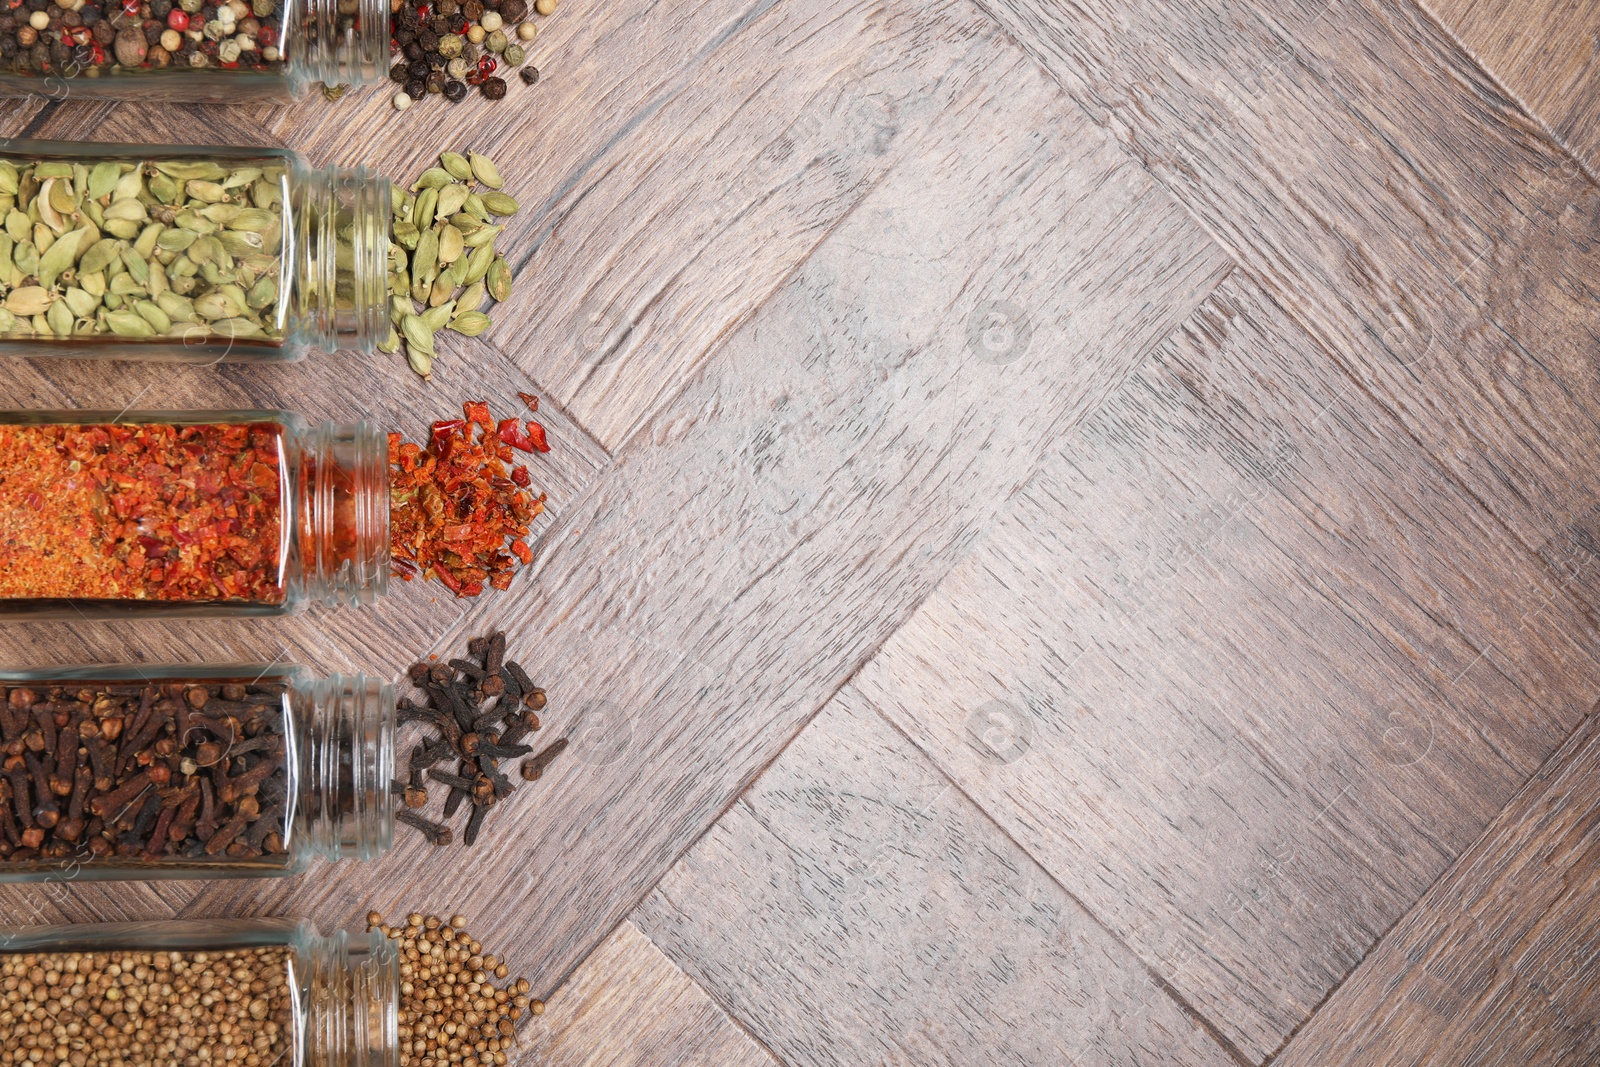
x=191 y=50
x=140 y=995
x=199 y=513
x=194 y=254
x=161 y=772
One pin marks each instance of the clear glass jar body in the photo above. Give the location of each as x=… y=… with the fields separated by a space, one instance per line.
x=312 y=1000
x=168 y=772
x=276 y=50
x=197 y=513
x=192 y=254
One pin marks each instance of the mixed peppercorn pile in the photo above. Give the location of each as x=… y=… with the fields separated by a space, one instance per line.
x=444 y=46
x=460 y=508
x=141 y=512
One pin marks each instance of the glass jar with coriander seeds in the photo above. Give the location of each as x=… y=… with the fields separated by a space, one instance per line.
x=193 y=254
x=193 y=514
x=141 y=995
x=165 y=772
x=219 y=51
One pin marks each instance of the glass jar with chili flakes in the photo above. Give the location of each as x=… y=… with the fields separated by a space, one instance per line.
x=229 y=771
x=228 y=51
x=191 y=254
x=201 y=513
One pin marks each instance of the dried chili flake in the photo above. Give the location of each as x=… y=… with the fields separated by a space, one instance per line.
x=456 y=507
x=530 y=400
x=141 y=512
x=530 y=440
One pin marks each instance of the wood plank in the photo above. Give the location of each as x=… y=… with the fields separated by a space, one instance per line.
x=628 y=1005
x=1545 y=53
x=675 y=182
x=1370 y=177
x=1499 y=962
x=1259 y=694
x=853 y=908
x=815 y=481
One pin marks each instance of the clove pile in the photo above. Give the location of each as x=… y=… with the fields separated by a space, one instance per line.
x=173 y=773
x=482 y=711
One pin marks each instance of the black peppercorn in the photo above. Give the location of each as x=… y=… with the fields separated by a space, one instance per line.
x=512 y=11
x=413 y=51
x=428 y=40
x=160 y=9
x=415 y=88
x=152 y=32
x=399 y=73
x=403 y=36
x=418 y=68
x=71 y=19
x=435 y=82
x=38 y=5
x=439 y=24
x=455 y=91
x=103 y=33
x=530 y=75
x=493 y=88
x=458 y=23
x=90 y=13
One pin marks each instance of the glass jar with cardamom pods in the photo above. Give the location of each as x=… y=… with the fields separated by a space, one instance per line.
x=196 y=254
x=159 y=772
x=191 y=50
x=193 y=513
x=206 y=991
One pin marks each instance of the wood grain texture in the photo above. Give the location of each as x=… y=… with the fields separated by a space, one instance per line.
x=1546 y=53
x=815 y=480
x=854 y=909
x=1386 y=193
x=630 y=1006
x=1234 y=633
x=1499 y=962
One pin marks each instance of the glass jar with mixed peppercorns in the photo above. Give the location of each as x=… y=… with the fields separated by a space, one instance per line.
x=143 y=772
x=200 y=513
x=196 y=254
x=208 y=991
x=191 y=50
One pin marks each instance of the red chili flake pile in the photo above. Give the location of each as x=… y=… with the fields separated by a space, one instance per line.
x=460 y=509
x=141 y=512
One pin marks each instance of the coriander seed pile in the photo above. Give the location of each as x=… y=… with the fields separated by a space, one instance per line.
x=451 y=1010
x=146 y=1008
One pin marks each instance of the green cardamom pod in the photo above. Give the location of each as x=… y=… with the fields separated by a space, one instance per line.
x=457 y=165
x=470 y=323
x=8 y=322
x=427 y=201
x=421 y=363
x=473 y=205
x=93 y=283
x=236 y=328
x=26 y=257
x=163 y=188
x=443 y=286
x=391 y=344
x=264 y=293
x=19 y=226
x=433 y=178
x=425 y=263
x=52 y=169
x=178 y=308
x=471 y=298
x=103 y=178
x=213 y=306
x=175 y=240
x=406 y=235
x=137 y=265
x=239 y=243
x=187 y=170
x=145 y=244
x=221 y=214
x=484 y=170
x=152 y=314
x=127 y=211
x=254 y=220
x=8 y=178
x=482 y=237
x=499 y=279
x=241 y=177
x=451 y=244
x=435 y=318
x=467 y=223
x=451 y=197
x=81 y=302
x=499 y=204
x=126 y=229
x=125 y=285
x=58 y=258
x=419 y=338
x=208 y=192
x=478 y=263
x=60 y=319
x=158 y=280
x=125 y=323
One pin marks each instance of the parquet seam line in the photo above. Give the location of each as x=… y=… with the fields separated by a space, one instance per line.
x=1001 y=832
x=1510 y=94
x=1536 y=781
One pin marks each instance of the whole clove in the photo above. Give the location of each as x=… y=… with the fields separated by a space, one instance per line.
x=173 y=772
x=480 y=708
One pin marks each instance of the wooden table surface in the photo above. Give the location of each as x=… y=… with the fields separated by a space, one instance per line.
x=1072 y=538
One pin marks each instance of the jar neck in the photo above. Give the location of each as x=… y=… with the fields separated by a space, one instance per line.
x=343 y=513
x=341 y=42
x=352 y=1014
x=346 y=763
x=341 y=257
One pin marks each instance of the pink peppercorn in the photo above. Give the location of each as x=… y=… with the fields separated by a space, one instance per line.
x=178 y=19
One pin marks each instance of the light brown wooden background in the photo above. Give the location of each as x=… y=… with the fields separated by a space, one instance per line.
x=1073 y=530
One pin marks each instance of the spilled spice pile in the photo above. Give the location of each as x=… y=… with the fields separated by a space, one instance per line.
x=442 y=255
x=451 y=1009
x=460 y=508
x=483 y=709
x=143 y=1008
x=141 y=512
x=443 y=47
x=180 y=773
